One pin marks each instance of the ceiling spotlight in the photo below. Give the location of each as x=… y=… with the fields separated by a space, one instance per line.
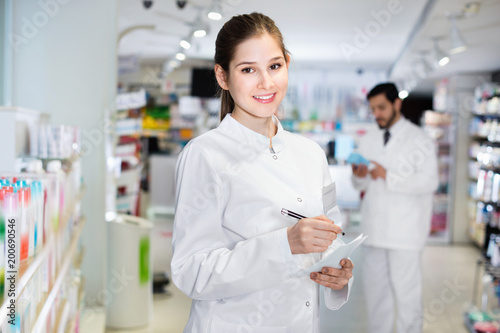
x=215 y=12
x=440 y=58
x=403 y=94
x=173 y=63
x=185 y=44
x=200 y=28
x=427 y=68
x=457 y=42
x=213 y=15
x=180 y=56
x=201 y=32
x=426 y=65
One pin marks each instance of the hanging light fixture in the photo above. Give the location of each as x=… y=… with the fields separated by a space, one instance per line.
x=427 y=67
x=457 y=42
x=180 y=56
x=174 y=63
x=440 y=58
x=215 y=12
x=185 y=43
x=200 y=29
x=421 y=64
x=403 y=94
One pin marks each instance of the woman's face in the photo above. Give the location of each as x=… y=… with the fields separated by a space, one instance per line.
x=258 y=77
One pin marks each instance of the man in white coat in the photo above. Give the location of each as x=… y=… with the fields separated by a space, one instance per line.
x=398 y=187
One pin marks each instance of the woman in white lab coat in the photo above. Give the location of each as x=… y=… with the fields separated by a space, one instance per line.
x=234 y=254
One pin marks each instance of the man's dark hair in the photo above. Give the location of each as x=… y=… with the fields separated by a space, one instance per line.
x=389 y=89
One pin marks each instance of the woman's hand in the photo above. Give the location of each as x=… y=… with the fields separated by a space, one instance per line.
x=312 y=235
x=334 y=278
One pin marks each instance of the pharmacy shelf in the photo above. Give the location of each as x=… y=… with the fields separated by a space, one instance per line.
x=28 y=269
x=25 y=278
x=486 y=115
x=468 y=323
x=49 y=302
x=33 y=267
x=151 y=133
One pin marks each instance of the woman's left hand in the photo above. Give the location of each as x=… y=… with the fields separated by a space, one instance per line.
x=334 y=278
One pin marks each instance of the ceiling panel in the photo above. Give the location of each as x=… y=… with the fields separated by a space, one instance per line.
x=339 y=34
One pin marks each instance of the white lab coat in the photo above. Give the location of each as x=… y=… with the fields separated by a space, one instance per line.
x=397 y=212
x=230 y=249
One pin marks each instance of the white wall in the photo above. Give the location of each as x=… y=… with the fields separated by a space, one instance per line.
x=462 y=92
x=5 y=55
x=65 y=65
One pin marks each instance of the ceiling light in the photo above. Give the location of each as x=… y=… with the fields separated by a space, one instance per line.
x=173 y=63
x=200 y=29
x=200 y=33
x=215 y=12
x=440 y=58
x=403 y=94
x=216 y=16
x=185 y=44
x=180 y=56
x=457 y=42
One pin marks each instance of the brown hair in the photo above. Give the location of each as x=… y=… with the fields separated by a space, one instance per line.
x=235 y=31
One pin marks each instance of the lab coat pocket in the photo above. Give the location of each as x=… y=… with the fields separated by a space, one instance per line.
x=329 y=197
x=223 y=327
x=335 y=215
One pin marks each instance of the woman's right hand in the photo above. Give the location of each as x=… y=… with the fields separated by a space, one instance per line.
x=311 y=235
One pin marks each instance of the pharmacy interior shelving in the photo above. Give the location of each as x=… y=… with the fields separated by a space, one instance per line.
x=49 y=293
x=484 y=165
x=47 y=273
x=484 y=201
x=440 y=125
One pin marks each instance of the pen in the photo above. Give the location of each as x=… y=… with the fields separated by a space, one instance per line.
x=297 y=216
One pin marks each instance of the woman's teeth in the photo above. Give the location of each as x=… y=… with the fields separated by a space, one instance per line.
x=264 y=97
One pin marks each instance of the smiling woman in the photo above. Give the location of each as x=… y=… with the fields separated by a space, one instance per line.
x=234 y=254
x=257 y=79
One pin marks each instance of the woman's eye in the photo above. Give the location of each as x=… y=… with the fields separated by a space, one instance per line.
x=247 y=70
x=275 y=66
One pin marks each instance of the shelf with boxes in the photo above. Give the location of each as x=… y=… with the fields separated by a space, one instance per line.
x=484 y=165
x=439 y=126
x=41 y=223
x=126 y=151
x=483 y=315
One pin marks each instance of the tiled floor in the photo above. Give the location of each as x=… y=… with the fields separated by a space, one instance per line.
x=448 y=288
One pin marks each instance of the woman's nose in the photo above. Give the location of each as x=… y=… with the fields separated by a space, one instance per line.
x=265 y=81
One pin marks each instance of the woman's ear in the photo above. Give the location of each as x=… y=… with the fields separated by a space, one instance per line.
x=220 y=75
x=287 y=58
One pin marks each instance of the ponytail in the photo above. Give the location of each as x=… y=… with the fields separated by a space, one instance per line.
x=226 y=103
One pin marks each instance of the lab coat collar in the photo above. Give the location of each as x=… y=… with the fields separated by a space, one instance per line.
x=397 y=126
x=396 y=130
x=255 y=140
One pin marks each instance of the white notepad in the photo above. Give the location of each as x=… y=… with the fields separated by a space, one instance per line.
x=332 y=257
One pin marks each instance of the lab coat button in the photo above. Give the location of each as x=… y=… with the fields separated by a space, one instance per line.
x=307 y=303
x=275 y=157
x=299 y=199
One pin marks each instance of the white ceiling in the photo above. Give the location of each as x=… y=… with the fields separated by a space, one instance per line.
x=315 y=32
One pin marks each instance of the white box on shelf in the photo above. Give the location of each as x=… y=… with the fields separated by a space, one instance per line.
x=19 y=128
x=130 y=179
x=129 y=126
